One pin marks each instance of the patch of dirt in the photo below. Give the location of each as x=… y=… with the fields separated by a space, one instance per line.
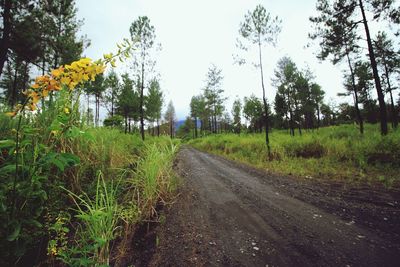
x=229 y=214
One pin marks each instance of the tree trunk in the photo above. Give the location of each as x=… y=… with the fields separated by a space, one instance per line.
x=141 y=104
x=170 y=128
x=126 y=123
x=353 y=83
x=291 y=124
x=195 y=127
x=14 y=93
x=381 y=98
x=158 y=128
x=5 y=40
x=264 y=100
x=392 y=107
x=318 y=117
x=112 y=102
x=88 y=108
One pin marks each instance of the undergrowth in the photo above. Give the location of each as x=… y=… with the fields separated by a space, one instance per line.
x=336 y=152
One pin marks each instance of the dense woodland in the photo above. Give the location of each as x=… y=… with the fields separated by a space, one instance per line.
x=74 y=185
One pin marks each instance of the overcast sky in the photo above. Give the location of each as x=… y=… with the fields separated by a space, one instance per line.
x=196 y=34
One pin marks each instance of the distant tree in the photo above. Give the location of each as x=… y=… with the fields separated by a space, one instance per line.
x=143 y=35
x=15 y=79
x=317 y=97
x=184 y=131
x=204 y=113
x=213 y=95
x=346 y=113
x=281 y=109
x=253 y=112
x=237 y=114
x=327 y=115
x=285 y=76
x=389 y=61
x=97 y=88
x=154 y=103
x=113 y=90
x=128 y=100
x=260 y=28
x=114 y=121
x=170 y=117
x=195 y=111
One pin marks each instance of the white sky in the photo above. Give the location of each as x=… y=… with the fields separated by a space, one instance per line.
x=195 y=34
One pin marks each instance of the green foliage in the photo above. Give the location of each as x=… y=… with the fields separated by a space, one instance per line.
x=114 y=121
x=338 y=152
x=153 y=179
x=97 y=218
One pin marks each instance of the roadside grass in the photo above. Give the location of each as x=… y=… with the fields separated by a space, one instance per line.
x=80 y=191
x=137 y=177
x=336 y=152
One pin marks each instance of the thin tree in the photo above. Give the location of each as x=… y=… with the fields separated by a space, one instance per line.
x=170 y=118
x=213 y=95
x=143 y=35
x=113 y=90
x=237 y=114
x=260 y=28
x=195 y=111
x=389 y=61
x=154 y=103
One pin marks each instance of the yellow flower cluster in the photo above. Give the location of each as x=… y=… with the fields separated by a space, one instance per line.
x=79 y=71
x=70 y=76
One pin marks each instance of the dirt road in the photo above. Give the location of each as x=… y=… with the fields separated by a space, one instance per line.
x=232 y=215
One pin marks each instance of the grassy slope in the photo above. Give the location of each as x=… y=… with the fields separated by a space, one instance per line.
x=337 y=152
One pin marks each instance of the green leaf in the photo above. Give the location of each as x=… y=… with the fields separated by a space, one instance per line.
x=8 y=169
x=14 y=235
x=71 y=158
x=35 y=223
x=58 y=163
x=7 y=143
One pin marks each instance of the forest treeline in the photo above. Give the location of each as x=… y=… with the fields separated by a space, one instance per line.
x=341 y=30
x=39 y=36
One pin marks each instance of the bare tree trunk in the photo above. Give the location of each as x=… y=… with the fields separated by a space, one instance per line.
x=88 y=108
x=158 y=127
x=264 y=100
x=5 y=39
x=14 y=93
x=353 y=83
x=170 y=128
x=392 y=107
x=381 y=98
x=195 y=127
x=141 y=104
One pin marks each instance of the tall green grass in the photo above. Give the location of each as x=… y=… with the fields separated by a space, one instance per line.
x=337 y=152
x=153 y=180
x=98 y=219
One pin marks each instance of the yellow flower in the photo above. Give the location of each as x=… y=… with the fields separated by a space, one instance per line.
x=65 y=80
x=34 y=97
x=57 y=72
x=32 y=106
x=54 y=132
x=11 y=114
x=66 y=110
x=45 y=93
